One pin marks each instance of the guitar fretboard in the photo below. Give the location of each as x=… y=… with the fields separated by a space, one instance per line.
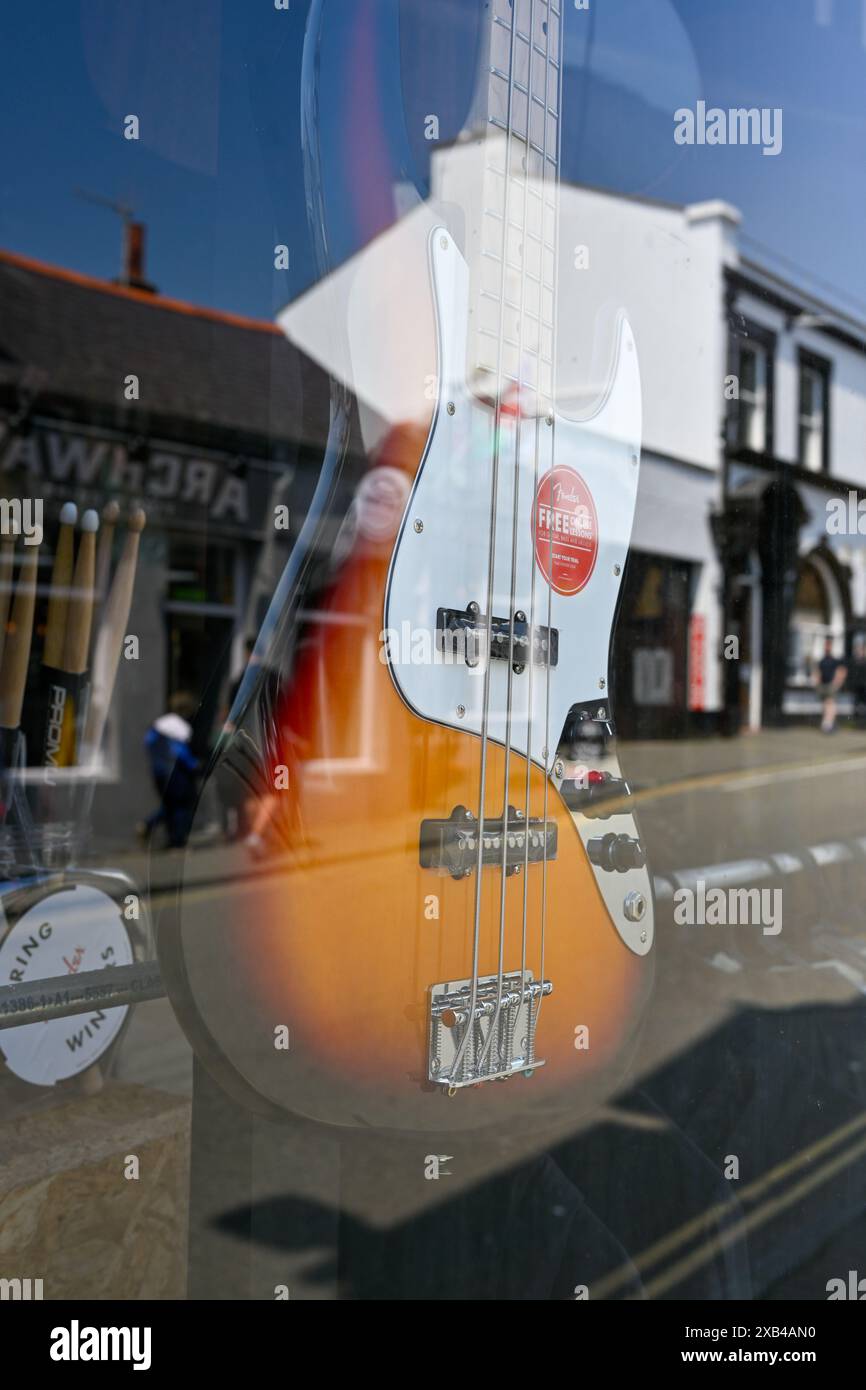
x=512 y=247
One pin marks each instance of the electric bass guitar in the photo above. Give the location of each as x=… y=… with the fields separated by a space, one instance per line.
x=448 y=918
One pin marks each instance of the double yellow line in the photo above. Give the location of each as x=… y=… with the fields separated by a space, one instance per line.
x=757 y=1192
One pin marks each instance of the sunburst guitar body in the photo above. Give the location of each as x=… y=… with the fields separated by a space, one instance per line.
x=448 y=920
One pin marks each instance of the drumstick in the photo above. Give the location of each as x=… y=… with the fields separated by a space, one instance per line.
x=7 y=557
x=80 y=608
x=110 y=513
x=16 y=654
x=61 y=578
x=112 y=630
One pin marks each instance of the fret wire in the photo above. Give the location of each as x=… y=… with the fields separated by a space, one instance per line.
x=519 y=168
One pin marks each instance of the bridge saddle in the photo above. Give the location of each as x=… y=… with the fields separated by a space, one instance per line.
x=511 y=1049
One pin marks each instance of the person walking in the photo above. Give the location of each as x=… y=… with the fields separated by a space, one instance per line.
x=830 y=679
x=173 y=767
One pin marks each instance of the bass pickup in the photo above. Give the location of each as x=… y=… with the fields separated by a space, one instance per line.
x=451 y=846
x=460 y=635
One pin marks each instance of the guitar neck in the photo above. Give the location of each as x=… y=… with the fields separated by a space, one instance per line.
x=512 y=202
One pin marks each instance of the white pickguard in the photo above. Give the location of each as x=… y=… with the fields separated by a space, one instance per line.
x=442 y=552
x=441 y=560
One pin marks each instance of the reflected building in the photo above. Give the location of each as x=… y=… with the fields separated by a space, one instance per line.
x=210 y=421
x=754 y=412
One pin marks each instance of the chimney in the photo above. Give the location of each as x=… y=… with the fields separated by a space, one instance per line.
x=133 y=257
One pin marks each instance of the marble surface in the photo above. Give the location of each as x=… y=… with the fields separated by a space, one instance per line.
x=70 y=1216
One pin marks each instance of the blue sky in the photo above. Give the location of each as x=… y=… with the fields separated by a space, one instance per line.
x=217 y=175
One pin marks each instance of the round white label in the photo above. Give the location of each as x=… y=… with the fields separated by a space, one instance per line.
x=71 y=931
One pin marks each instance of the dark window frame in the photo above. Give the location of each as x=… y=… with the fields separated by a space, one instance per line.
x=824 y=367
x=746 y=333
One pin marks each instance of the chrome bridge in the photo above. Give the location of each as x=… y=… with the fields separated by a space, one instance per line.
x=511 y=1048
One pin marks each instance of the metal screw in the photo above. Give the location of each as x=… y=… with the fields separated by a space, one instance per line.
x=550 y=419
x=643 y=938
x=601 y=712
x=617 y=570
x=634 y=906
x=634 y=458
x=558 y=769
x=419 y=525
x=443 y=242
x=461 y=710
x=451 y=407
x=602 y=683
x=520 y=616
x=435 y=1064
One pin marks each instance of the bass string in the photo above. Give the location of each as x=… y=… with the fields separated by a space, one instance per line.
x=518 y=415
x=553 y=350
x=486 y=626
x=533 y=565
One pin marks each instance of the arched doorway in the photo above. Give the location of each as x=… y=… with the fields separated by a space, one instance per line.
x=819 y=612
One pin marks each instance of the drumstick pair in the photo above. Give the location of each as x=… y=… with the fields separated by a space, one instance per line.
x=16 y=635
x=72 y=594
x=67 y=639
x=78 y=588
x=17 y=631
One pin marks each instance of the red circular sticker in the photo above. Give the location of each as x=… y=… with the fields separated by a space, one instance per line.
x=566 y=530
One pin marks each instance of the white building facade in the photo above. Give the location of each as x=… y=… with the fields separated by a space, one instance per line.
x=746 y=553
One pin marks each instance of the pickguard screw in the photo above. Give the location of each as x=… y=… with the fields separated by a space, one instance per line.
x=634 y=458
x=617 y=570
x=643 y=938
x=550 y=419
x=602 y=683
x=461 y=710
x=520 y=616
x=419 y=525
x=443 y=242
x=559 y=769
x=451 y=407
